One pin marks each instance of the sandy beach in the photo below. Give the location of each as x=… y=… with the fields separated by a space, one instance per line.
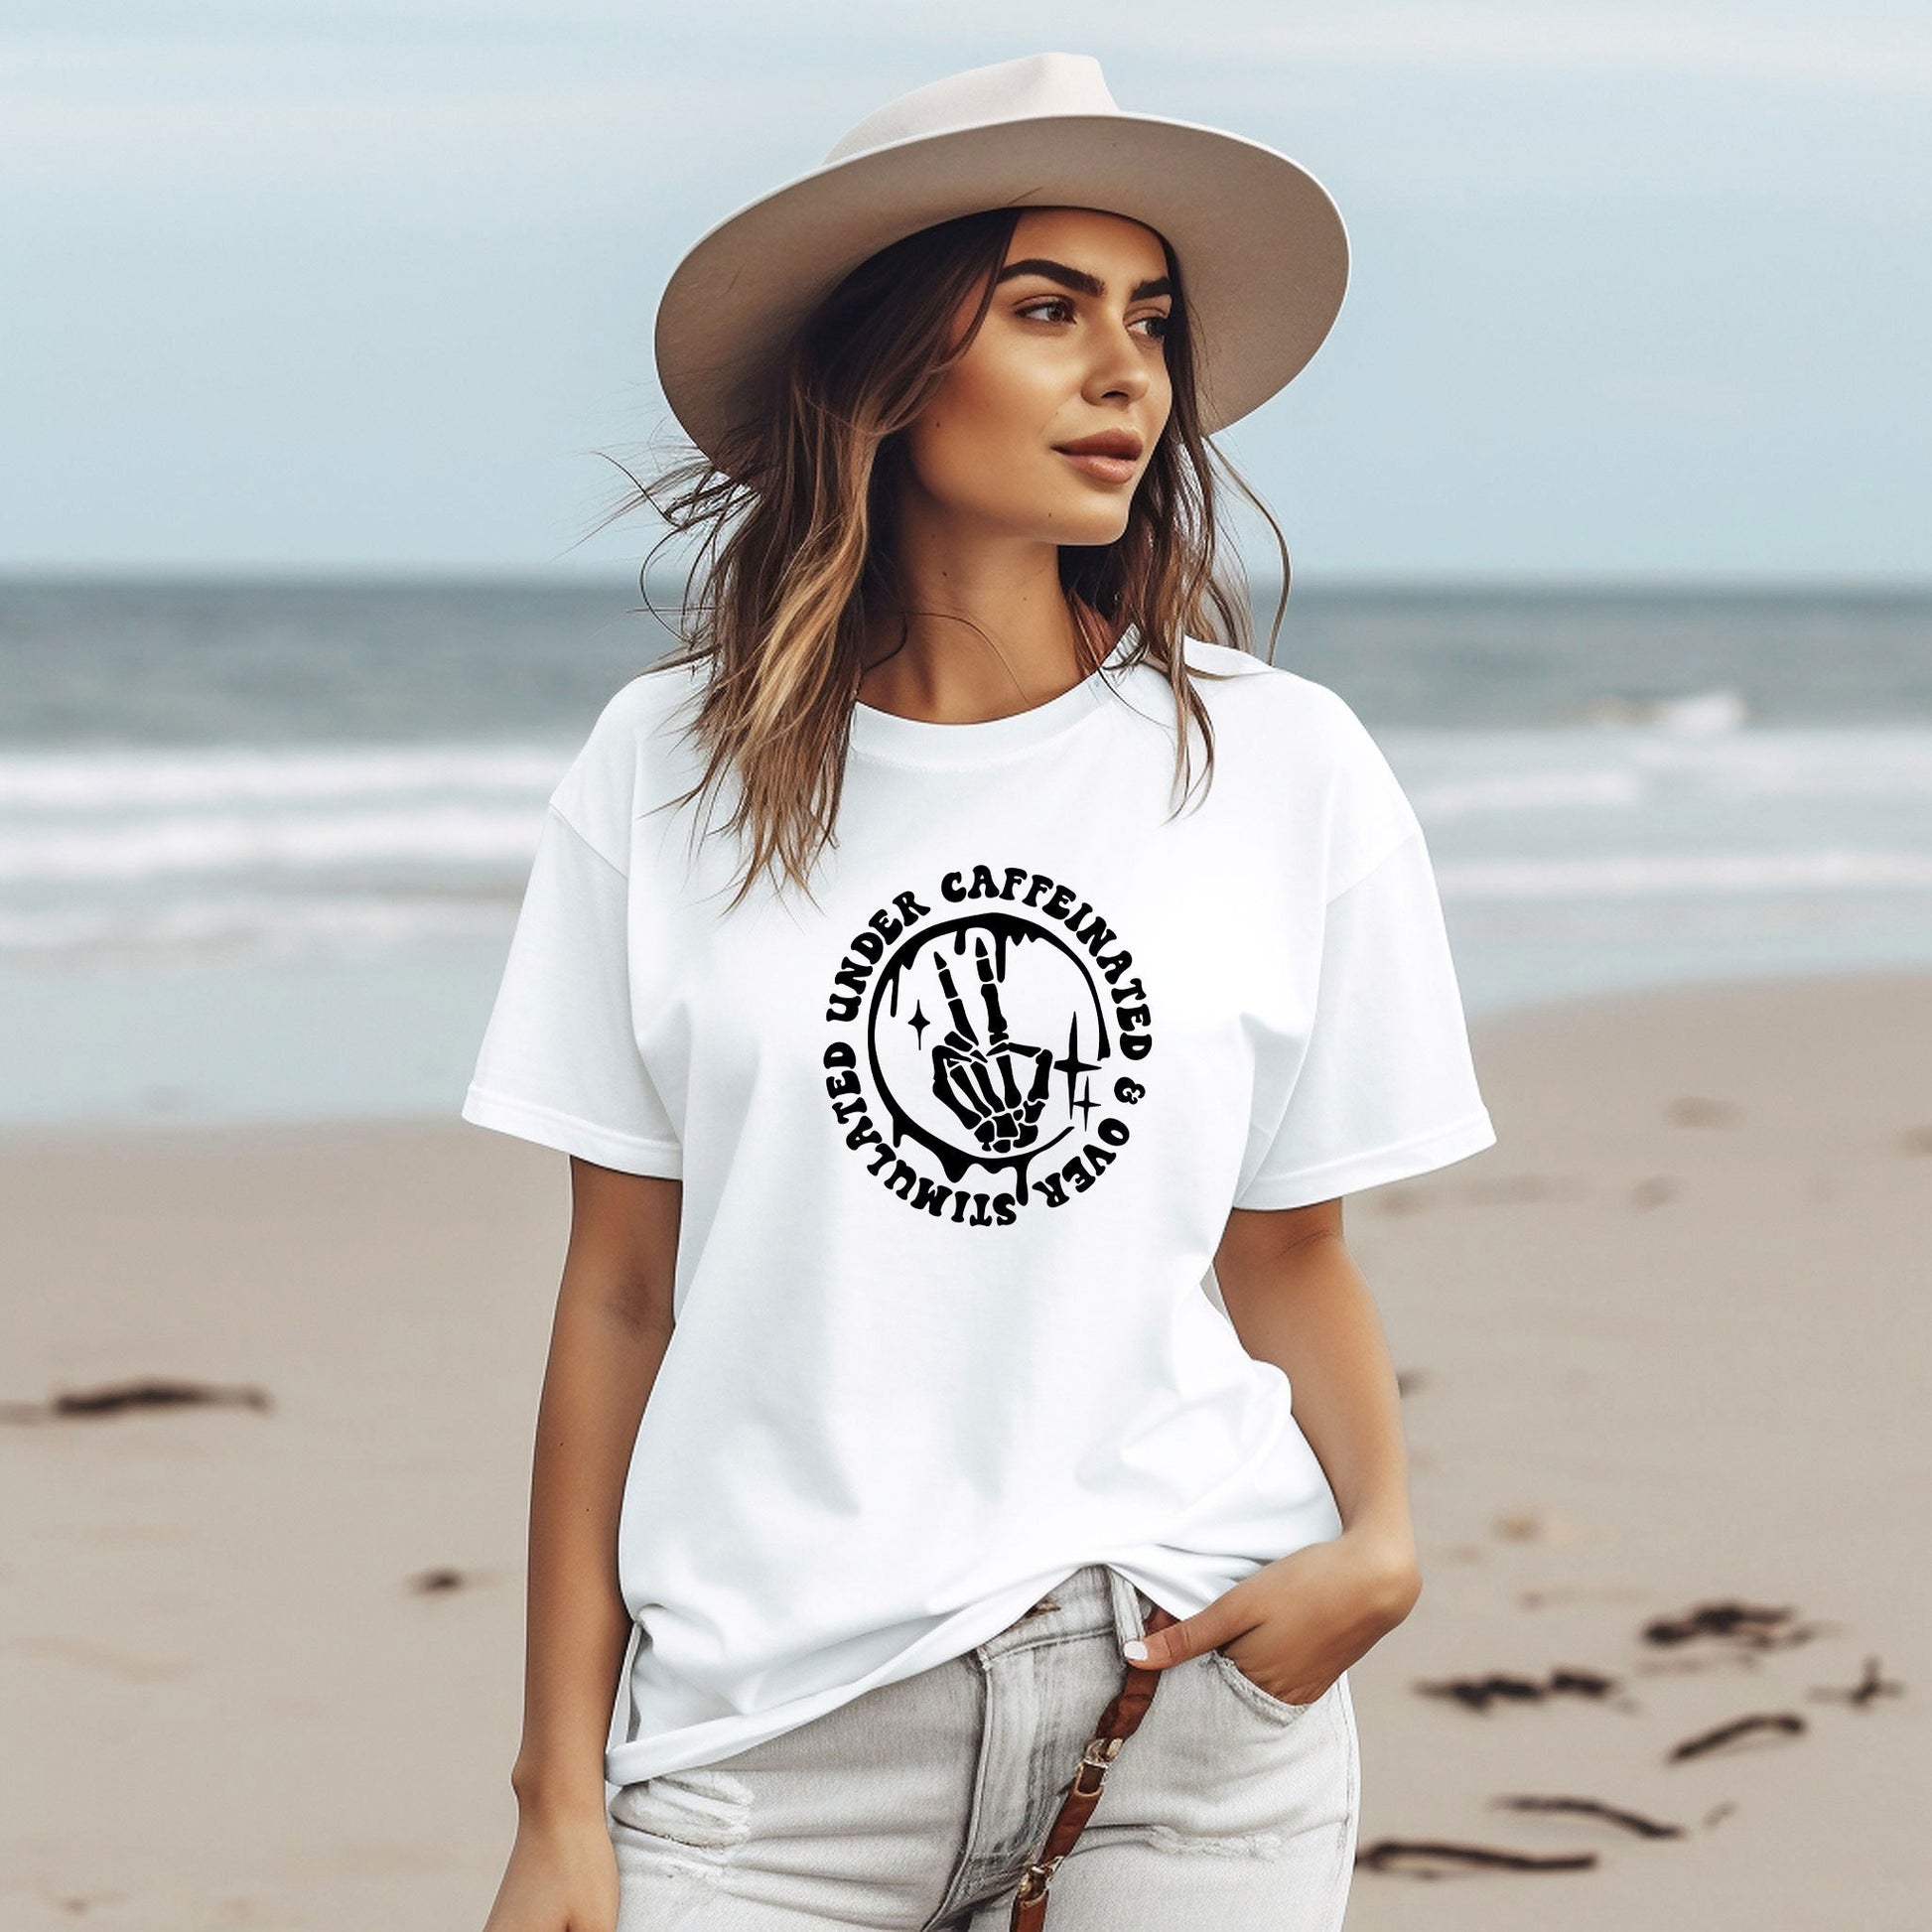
x=1665 y=1354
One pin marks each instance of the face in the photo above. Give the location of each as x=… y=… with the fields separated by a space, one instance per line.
x=1071 y=348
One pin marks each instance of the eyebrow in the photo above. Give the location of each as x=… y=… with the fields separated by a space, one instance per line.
x=1078 y=278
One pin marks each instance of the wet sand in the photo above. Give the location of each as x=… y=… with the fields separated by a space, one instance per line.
x=1665 y=1351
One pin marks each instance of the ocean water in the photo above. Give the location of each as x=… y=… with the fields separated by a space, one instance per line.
x=261 y=845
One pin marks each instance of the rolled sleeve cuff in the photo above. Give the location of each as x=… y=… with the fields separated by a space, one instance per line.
x=605 y=1147
x=1353 y=1173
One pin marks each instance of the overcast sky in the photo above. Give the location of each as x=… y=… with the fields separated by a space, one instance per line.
x=1637 y=291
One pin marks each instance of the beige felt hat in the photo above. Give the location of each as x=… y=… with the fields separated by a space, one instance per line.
x=1259 y=239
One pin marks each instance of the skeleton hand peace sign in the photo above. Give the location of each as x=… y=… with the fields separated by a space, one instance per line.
x=996 y=1088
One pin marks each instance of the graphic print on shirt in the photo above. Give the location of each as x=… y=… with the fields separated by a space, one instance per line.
x=988 y=1040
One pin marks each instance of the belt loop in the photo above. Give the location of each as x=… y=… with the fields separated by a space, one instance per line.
x=1130 y=1606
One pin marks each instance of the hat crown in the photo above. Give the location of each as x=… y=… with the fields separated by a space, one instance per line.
x=1007 y=90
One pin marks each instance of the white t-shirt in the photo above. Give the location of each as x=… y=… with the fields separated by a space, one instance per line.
x=957 y=1147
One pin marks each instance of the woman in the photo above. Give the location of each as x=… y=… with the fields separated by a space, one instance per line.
x=888 y=1404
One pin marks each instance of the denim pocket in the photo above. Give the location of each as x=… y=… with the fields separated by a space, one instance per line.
x=703 y=1811
x=1266 y=1701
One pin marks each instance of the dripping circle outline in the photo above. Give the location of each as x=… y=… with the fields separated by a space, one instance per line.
x=988 y=1045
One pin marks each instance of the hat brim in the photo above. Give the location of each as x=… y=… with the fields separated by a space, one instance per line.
x=1260 y=242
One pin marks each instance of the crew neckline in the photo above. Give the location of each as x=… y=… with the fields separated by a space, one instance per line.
x=920 y=740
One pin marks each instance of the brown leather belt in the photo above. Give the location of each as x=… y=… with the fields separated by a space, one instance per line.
x=1117 y=1725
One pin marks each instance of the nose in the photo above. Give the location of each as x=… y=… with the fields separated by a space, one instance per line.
x=1119 y=365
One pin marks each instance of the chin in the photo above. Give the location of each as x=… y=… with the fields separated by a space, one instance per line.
x=1079 y=519
x=1087 y=533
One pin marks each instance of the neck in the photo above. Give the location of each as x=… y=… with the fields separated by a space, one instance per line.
x=975 y=643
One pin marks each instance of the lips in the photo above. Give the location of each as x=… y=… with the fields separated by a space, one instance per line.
x=1108 y=442
x=1110 y=455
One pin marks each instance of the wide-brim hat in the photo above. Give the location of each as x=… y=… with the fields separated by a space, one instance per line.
x=1263 y=253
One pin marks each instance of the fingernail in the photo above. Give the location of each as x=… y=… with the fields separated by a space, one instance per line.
x=1135 y=1651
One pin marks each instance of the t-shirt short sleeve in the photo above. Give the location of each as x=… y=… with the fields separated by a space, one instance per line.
x=1386 y=1087
x=559 y=1064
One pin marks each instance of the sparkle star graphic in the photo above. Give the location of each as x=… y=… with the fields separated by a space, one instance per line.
x=1073 y=1065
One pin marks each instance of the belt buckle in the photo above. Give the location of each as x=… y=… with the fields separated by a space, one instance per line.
x=1035 y=1879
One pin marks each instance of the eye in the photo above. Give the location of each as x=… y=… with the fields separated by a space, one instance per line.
x=1064 y=303
x=1044 y=301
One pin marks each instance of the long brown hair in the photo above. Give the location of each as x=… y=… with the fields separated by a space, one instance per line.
x=797 y=555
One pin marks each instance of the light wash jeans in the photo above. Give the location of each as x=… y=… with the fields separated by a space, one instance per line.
x=913 y=1807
